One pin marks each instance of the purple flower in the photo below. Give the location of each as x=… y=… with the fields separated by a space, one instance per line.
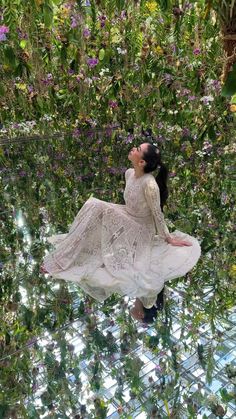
x=86 y=33
x=70 y=71
x=185 y=92
x=207 y=99
x=74 y=22
x=40 y=174
x=185 y=132
x=113 y=104
x=4 y=29
x=191 y=98
x=123 y=14
x=197 y=51
x=48 y=80
x=22 y=35
x=76 y=133
x=129 y=139
x=102 y=20
x=3 y=37
x=92 y=62
x=188 y=6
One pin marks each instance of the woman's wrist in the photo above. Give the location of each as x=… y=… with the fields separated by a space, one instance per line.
x=169 y=239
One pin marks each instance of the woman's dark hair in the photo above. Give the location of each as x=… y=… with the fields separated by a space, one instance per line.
x=152 y=158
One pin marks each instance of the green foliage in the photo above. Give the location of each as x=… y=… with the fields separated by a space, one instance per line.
x=157 y=68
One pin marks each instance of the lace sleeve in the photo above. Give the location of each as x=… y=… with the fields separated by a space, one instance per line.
x=152 y=195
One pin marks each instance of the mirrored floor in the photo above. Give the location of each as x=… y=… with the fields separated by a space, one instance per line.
x=63 y=355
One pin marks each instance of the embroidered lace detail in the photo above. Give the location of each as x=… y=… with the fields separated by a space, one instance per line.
x=113 y=248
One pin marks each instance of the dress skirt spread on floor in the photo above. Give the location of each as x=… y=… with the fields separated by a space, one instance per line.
x=122 y=248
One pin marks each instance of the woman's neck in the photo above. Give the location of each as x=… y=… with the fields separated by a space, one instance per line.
x=138 y=171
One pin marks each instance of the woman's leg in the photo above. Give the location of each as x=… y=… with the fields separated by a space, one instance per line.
x=148 y=315
x=137 y=311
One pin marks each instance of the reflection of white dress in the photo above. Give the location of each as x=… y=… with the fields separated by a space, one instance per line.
x=114 y=248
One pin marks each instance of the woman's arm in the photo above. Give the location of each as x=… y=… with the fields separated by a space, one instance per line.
x=152 y=194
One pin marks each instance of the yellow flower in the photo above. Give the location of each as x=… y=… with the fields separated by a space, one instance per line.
x=65 y=12
x=110 y=161
x=232 y=271
x=21 y=86
x=159 y=50
x=189 y=150
x=151 y=6
x=233 y=108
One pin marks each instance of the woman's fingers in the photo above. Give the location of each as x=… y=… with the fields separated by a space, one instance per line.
x=181 y=243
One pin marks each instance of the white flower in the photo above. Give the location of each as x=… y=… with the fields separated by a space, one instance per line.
x=207 y=99
x=121 y=51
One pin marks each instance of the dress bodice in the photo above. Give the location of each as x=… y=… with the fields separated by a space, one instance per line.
x=142 y=198
x=134 y=194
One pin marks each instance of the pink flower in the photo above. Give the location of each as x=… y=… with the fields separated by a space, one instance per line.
x=197 y=51
x=4 y=29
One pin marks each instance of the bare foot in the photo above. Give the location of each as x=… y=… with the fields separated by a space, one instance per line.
x=137 y=311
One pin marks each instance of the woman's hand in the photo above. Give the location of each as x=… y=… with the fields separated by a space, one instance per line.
x=178 y=242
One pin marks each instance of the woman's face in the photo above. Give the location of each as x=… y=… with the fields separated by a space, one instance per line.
x=136 y=154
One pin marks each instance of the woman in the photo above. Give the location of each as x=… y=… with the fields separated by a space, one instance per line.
x=114 y=248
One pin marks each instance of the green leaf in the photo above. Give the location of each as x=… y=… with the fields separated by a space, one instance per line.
x=2 y=90
x=233 y=100
x=229 y=88
x=23 y=43
x=3 y=410
x=48 y=15
x=10 y=56
x=101 y=54
x=226 y=397
x=211 y=132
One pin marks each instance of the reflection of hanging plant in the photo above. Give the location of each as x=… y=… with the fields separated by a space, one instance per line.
x=132 y=367
x=216 y=407
x=231 y=372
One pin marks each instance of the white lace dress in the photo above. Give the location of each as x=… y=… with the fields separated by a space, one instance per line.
x=122 y=248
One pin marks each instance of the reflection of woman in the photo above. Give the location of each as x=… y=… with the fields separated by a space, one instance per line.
x=114 y=248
